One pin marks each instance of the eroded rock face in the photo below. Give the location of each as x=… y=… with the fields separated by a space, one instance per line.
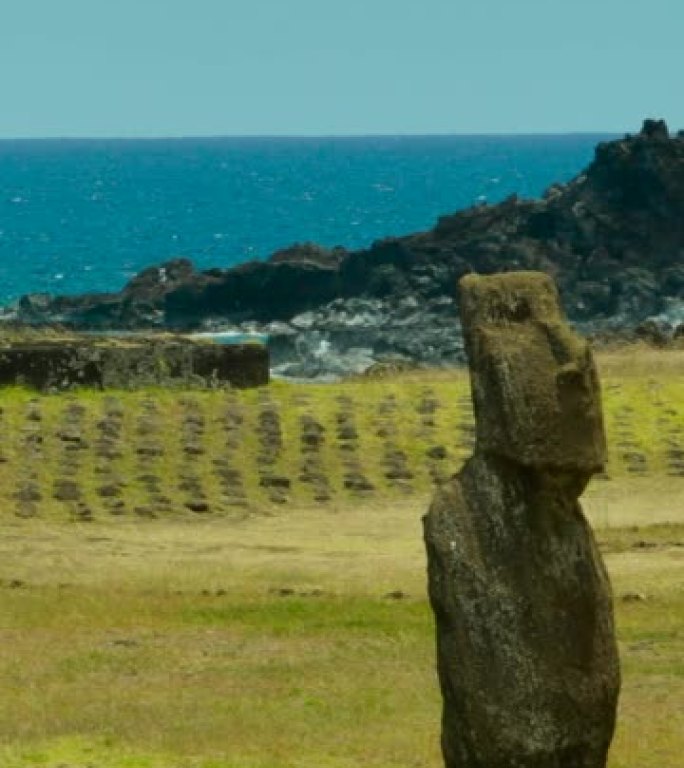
x=526 y=649
x=613 y=238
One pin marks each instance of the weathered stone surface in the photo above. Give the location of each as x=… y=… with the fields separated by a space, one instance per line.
x=526 y=650
x=535 y=389
x=85 y=363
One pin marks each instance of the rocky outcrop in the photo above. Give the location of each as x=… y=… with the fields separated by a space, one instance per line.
x=613 y=239
x=59 y=365
x=526 y=649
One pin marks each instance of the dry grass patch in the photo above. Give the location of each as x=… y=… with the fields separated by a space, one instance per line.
x=277 y=630
x=273 y=641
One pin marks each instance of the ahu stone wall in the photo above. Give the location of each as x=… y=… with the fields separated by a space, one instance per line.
x=60 y=365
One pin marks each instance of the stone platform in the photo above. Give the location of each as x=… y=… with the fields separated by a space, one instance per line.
x=130 y=364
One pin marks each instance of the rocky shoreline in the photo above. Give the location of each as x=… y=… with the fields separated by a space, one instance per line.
x=612 y=238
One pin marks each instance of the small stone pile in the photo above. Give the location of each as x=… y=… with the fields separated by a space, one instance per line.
x=526 y=650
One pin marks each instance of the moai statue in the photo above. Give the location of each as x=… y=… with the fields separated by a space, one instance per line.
x=526 y=649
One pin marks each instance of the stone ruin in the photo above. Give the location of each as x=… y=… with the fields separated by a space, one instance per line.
x=526 y=650
x=54 y=365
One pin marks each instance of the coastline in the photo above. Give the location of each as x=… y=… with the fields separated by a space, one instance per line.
x=612 y=238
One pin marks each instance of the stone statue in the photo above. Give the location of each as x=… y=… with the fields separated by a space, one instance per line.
x=526 y=650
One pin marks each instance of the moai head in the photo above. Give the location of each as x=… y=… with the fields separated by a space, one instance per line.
x=535 y=390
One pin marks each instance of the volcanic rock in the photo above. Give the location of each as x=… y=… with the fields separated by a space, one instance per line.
x=97 y=363
x=612 y=238
x=526 y=649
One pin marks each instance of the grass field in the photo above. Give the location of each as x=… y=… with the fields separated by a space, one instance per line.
x=268 y=629
x=165 y=454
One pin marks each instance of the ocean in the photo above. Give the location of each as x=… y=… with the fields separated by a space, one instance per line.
x=86 y=215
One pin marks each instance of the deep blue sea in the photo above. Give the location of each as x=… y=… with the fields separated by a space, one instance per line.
x=85 y=215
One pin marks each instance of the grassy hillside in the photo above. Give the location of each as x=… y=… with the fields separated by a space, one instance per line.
x=271 y=630
x=163 y=453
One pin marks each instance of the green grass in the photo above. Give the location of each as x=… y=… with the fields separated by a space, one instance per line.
x=644 y=423
x=274 y=642
x=296 y=634
x=311 y=616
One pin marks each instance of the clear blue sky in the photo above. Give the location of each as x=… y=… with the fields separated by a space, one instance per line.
x=203 y=67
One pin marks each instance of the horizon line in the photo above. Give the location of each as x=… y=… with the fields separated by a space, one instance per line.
x=305 y=136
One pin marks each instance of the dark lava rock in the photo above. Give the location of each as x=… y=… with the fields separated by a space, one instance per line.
x=193 y=449
x=30 y=492
x=115 y=506
x=66 y=490
x=659 y=333
x=109 y=490
x=197 y=505
x=275 y=481
x=612 y=238
x=355 y=481
x=347 y=431
x=150 y=450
